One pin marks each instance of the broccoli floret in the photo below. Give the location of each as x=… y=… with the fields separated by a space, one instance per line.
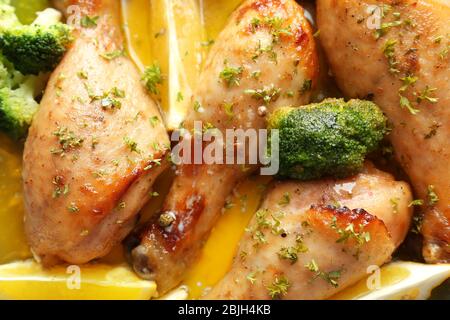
x=9 y=77
x=17 y=108
x=330 y=138
x=38 y=47
x=17 y=99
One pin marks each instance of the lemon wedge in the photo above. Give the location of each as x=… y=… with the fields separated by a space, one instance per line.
x=136 y=28
x=171 y=34
x=180 y=293
x=177 y=32
x=27 y=280
x=398 y=280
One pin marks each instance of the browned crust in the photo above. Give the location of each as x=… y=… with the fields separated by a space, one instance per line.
x=322 y=218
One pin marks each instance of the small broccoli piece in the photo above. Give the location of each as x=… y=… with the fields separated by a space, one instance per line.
x=17 y=108
x=330 y=138
x=8 y=75
x=38 y=47
x=17 y=99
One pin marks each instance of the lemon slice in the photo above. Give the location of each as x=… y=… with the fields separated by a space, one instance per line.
x=398 y=280
x=27 y=280
x=136 y=27
x=171 y=34
x=180 y=293
x=178 y=35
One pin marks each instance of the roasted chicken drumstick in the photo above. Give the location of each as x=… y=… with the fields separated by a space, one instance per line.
x=320 y=241
x=397 y=53
x=263 y=59
x=95 y=146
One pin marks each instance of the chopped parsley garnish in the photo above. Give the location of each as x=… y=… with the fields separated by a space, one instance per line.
x=263 y=223
x=113 y=54
x=291 y=253
x=331 y=277
x=416 y=202
x=432 y=196
x=131 y=144
x=268 y=50
x=109 y=100
x=61 y=188
x=275 y=24
x=154 y=121
x=152 y=77
x=407 y=81
x=251 y=277
x=267 y=94
x=425 y=95
x=89 y=22
x=285 y=200
x=444 y=53
x=389 y=52
x=228 y=204
x=394 y=204
x=180 y=96
x=279 y=287
x=405 y=103
x=231 y=75
x=197 y=106
x=385 y=27
x=72 y=208
x=438 y=39
x=82 y=75
x=349 y=233
x=417 y=223
x=228 y=107
x=67 y=139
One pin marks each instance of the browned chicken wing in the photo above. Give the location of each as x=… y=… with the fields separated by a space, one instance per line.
x=310 y=240
x=402 y=61
x=94 y=148
x=264 y=58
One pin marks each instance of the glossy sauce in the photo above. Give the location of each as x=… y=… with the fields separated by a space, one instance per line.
x=13 y=245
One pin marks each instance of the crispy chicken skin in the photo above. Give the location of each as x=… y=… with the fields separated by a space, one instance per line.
x=410 y=58
x=266 y=51
x=93 y=149
x=305 y=245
